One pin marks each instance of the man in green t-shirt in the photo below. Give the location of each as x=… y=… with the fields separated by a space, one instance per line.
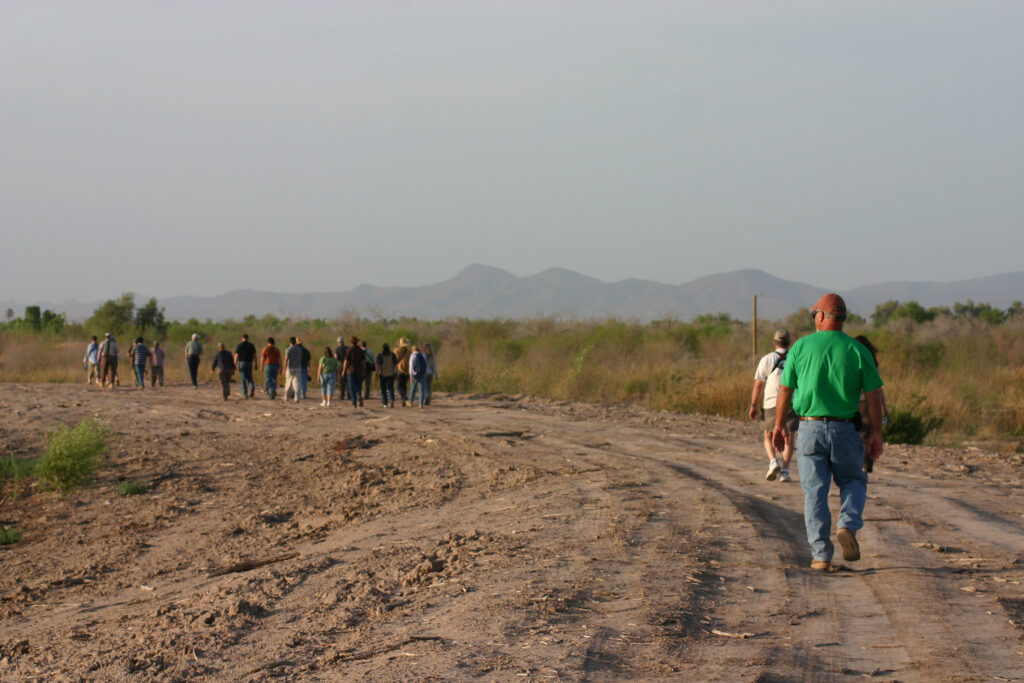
x=825 y=374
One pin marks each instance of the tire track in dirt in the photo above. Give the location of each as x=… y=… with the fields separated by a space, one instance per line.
x=865 y=614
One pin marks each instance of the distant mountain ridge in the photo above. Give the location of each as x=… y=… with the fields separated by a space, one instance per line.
x=481 y=291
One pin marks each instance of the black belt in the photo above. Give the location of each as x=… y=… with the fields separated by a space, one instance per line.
x=827 y=419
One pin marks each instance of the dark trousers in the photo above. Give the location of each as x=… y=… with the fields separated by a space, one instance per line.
x=225 y=382
x=387 y=388
x=367 y=384
x=158 y=373
x=108 y=364
x=403 y=386
x=193 y=369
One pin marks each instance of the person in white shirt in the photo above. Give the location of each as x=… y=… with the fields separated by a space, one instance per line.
x=767 y=376
x=92 y=360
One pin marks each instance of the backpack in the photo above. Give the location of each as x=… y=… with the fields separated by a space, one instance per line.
x=386 y=364
x=780 y=363
x=419 y=365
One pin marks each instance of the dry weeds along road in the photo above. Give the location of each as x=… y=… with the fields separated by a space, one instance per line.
x=490 y=538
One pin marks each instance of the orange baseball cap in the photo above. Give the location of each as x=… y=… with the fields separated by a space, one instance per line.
x=829 y=303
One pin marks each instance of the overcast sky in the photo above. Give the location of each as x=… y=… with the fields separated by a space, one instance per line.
x=183 y=147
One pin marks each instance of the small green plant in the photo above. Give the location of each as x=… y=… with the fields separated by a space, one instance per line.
x=905 y=427
x=16 y=471
x=73 y=455
x=9 y=535
x=131 y=487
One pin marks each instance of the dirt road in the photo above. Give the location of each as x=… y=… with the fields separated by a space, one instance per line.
x=488 y=538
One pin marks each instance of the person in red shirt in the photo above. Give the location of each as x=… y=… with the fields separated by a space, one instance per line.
x=271 y=357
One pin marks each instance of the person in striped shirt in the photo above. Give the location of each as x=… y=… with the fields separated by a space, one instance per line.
x=139 y=353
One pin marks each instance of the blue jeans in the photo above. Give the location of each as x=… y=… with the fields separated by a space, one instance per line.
x=140 y=375
x=270 y=379
x=829 y=451
x=387 y=389
x=355 y=382
x=245 y=374
x=327 y=383
x=418 y=382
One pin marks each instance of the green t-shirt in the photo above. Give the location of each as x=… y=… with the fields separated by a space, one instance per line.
x=827 y=371
x=328 y=365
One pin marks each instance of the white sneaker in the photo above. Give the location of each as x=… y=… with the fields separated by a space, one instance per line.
x=773 y=470
x=323 y=403
x=784 y=475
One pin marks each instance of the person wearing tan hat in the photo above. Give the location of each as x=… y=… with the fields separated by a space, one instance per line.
x=403 y=353
x=825 y=374
x=766 y=377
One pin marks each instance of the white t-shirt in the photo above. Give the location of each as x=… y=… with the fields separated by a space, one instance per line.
x=769 y=371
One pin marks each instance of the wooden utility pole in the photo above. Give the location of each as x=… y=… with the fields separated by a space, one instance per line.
x=754 y=353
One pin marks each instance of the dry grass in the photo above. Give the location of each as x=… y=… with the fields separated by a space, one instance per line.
x=968 y=374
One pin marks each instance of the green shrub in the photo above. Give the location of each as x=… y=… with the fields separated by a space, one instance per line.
x=131 y=487
x=905 y=427
x=508 y=350
x=9 y=535
x=458 y=378
x=73 y=455
x=17 y=469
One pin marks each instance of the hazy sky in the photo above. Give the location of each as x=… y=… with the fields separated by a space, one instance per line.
x=198 y=147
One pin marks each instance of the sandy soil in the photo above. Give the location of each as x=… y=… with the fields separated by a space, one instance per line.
x=488 y=538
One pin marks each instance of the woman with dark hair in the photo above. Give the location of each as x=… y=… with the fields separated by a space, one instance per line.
x=428 y=351
x=387 y=368
x=866 y=424
x=328 y=372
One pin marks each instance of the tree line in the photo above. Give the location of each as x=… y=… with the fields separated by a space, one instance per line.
x=117 y=316
x=121 y=316
x=915 y=312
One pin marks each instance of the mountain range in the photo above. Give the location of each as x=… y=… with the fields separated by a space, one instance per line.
x=485 y=292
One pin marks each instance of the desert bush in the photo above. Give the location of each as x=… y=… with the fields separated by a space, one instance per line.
x=508 y=350
x=9 y=535
x=73 y=455
x=14 y=471
x=906 y=427
x=132 y=487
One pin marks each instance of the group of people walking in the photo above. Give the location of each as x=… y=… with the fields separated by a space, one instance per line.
x=822 y=401
x=348 y=368
x=100 y=362
x=353 y=367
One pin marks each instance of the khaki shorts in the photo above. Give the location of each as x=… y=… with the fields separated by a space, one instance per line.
x=792 y=421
